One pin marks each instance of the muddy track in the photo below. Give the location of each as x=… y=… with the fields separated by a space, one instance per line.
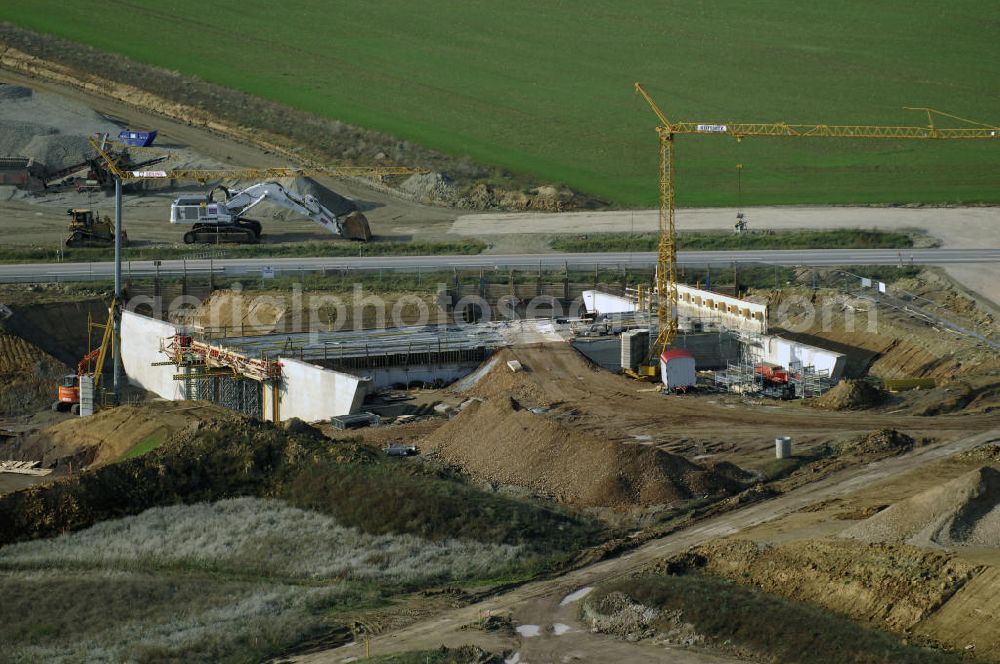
x=539 y=603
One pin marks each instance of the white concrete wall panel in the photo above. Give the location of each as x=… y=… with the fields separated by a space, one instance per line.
x=140 y=347
x=312 y=393
x=605 y=303
x=785 y=351
x=731 y=312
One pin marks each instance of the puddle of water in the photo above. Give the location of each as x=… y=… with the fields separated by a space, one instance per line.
x=575 y=596
x=561 y=629
x=513 y=659
x=528 y=631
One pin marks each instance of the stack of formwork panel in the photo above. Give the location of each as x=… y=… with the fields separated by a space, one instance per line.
x=635 y=347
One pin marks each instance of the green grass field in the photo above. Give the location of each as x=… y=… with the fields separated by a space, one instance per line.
x=284 y=250
x=835 y=239
x=546 y=89
x=145 y=445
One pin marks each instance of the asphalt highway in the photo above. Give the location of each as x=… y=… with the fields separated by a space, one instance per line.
x=43 y=272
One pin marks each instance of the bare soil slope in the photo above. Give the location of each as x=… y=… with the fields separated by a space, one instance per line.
x=891 y=586
x=962 y=512
x=887 y=344
x=111 y=433
x=28 y=376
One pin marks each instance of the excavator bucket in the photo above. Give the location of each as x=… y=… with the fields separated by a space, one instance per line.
x=355 y=227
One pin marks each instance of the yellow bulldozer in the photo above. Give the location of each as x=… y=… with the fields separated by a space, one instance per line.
x=88 y=229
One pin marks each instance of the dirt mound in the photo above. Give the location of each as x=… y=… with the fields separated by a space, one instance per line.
x=880 y=443
x=499 y=381
x=850 y=395
x=890 y=586
x=110 y=434
x=502 y=443
x=962 y=512
x=974 y=394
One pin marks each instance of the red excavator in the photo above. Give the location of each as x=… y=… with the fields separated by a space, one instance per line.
x=91 y=364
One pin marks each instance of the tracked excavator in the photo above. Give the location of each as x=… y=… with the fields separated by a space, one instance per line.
x=92 y=364
x=225 y=221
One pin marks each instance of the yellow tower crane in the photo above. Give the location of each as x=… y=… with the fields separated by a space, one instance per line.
x=666 y=265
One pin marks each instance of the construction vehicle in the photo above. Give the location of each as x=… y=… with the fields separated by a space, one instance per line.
x=225 y=220
x=666 y=264
x=88 y=229
x=92 y=364
x=93 y=173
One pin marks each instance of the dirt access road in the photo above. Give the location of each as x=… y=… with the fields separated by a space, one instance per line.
x=546 y=604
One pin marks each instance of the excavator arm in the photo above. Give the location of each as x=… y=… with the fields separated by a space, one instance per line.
x=241 y=202
x=351 y=226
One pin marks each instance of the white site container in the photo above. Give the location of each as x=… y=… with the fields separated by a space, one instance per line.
x=677 y=369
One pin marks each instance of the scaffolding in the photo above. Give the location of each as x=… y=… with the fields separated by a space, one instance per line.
x=221 y=375
x=741 y=376
x=239 y=393
x=807 y=381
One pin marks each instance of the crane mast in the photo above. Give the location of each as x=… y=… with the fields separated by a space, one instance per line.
x=666 y=264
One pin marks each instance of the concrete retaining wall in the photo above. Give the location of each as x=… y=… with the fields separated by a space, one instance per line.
x=711 y=350
x=785 y=351
x=730 y=312
x=604 y=303
x=140 y=343
x=312 y=393
x=422 y=373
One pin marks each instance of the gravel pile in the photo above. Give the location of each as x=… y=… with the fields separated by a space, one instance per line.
x=57 y=151
x=15 y=135
x=47 y=128
x=962 y=512
x=988 y=453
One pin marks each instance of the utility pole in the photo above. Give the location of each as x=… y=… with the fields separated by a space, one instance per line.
x=117 y=304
